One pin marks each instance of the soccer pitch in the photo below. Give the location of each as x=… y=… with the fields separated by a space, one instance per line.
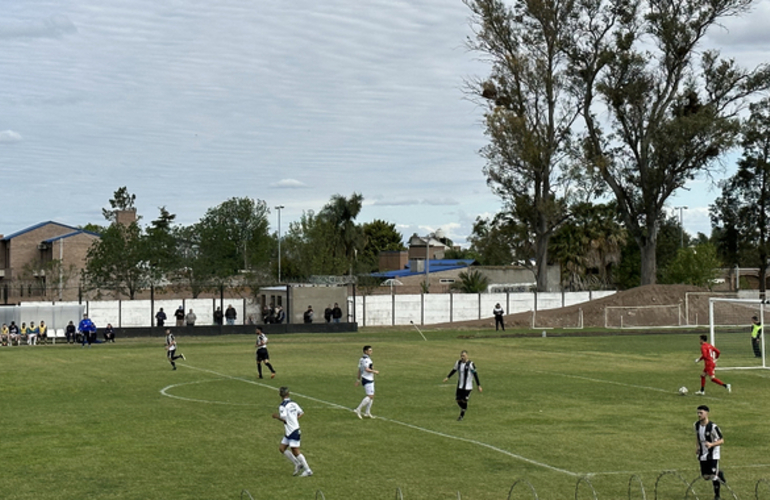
x=114 y=421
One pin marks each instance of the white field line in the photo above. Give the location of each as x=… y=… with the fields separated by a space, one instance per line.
x=404 y=424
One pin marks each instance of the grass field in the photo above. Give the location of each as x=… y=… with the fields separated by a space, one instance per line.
x=114 y=421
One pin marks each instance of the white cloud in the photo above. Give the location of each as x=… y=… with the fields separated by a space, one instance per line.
x=289 y=184
x=8 y=136
x=51 y=27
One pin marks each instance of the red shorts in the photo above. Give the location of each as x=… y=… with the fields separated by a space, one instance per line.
x=708 y=369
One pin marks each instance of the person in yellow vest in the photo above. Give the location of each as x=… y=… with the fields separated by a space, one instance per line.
x=43 y=335
x=756 y=336
x=23 y=333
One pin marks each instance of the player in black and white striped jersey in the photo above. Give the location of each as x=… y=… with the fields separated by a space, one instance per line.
x=171 y=348
x=709 y=442
x=466 y=374
x=262 y=355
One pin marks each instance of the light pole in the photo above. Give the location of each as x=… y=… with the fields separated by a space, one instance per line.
x=681 y=225
x=279 y=207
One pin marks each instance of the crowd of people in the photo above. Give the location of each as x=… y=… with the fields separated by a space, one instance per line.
x=85 y=333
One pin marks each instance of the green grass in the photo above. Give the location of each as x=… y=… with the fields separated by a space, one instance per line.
x=115 y=421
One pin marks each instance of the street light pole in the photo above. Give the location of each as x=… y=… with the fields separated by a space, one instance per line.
x=279 y=207
x=681 y=225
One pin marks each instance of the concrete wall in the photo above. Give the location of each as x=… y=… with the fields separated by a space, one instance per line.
x=370 y=310
x=387 y=310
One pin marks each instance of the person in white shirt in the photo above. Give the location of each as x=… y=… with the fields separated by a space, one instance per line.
x=365 y=376
x=289 y=413
x=466 y=374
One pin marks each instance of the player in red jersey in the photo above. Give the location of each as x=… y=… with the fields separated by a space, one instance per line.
x=709 y=354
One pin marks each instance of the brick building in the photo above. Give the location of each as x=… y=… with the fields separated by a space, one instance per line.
x=43 y=261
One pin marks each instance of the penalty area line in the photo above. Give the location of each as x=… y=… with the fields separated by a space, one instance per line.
x=397 y=422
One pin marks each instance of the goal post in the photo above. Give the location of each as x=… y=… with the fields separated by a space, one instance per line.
x=730 y=332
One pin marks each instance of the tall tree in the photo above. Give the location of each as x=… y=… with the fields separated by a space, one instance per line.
x=655 y=118
x=379 y=236
x=530 y=113
x=234 y=236
x=347 y=236
x=588 y=247
x=116 y=261
x=741 y=215
x=160 y=245
x=121 y=200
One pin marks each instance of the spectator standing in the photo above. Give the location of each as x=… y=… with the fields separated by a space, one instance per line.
x=328 y=313
x=499 y=313
x=280 y=314
x=190 y=318
x=109 y=333
x=179 y=315
x=160 y=318
x=88 y=330
x=69 y=332
x=308 y=316
x=756 y=337
x=218 y=316
x=336 y=313
x=230 y=314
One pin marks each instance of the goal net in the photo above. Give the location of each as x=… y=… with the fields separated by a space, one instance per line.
x=730 y=332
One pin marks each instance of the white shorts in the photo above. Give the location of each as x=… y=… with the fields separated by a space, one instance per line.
x=291 y=443
x=368 y=387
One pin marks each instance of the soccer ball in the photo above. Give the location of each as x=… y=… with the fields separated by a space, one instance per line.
x=683 y=391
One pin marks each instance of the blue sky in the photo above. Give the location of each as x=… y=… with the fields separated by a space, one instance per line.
x=189 y=103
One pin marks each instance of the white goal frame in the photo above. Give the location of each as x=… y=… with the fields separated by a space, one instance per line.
x=761 y=315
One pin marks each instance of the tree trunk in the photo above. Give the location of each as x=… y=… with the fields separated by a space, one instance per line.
x=541 y=262
x=649 y=271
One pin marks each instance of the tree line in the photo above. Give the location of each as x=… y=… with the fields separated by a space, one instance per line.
x=614 y=100
x=231 y=245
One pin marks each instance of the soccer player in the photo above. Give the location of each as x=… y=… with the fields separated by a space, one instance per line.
x=709 y=354
x=262 y=354
x=171 y=348
x=365 y=376
x=466 y=373
x=289 y=413
x=709 y=441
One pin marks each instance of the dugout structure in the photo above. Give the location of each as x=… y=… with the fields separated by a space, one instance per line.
x=730 y=332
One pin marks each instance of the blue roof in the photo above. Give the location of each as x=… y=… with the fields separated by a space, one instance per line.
x=68 y=235
x=37 y=226
x=435 y=266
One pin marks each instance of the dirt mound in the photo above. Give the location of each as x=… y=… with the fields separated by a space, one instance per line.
x=593 y=312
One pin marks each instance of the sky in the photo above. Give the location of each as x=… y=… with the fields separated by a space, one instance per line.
x=188 y=103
